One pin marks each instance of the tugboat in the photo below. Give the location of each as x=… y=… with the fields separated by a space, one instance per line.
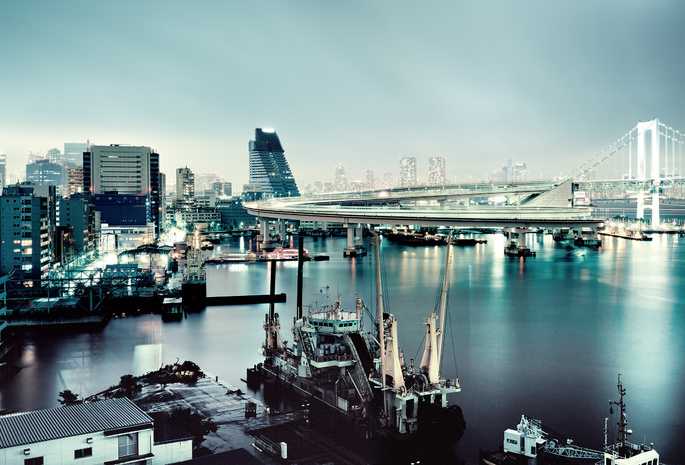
x=530 y=443
x=364 y=378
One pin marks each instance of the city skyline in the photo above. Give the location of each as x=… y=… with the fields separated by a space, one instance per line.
x=357 y=84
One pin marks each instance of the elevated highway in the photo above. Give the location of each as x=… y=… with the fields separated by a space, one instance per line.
x=535 y=205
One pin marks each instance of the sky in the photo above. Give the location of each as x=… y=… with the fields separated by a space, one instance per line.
x=359 y=83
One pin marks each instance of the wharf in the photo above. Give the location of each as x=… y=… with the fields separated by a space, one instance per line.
x=225 y=405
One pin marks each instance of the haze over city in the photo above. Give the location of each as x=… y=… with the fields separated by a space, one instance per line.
x=358 y=83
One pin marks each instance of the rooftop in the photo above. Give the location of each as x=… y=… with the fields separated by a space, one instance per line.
x=108 y=416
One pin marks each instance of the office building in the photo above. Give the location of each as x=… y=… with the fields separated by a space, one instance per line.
x=268 y=166
x=55 y=156
x=47 y=173
x=73 y=152
x=26 y=231
x=436 y=171
x=407 y=171
x=124 y=170
x=185 y=189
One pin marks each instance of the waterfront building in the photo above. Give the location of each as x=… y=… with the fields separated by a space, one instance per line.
x=407 y=171
x=185 y=189
x=436 y=171
x=113 y=431
x=126 y=170
x=3 y=170
x=233 y=214
x=26 y=228
x=269 y=167
x=73 y=152
x=197 y=215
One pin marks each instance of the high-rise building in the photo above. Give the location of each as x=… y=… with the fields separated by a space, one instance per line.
x=340 y=182
x=26 y=232
x=407 y=171
x=185 y=189
x=370 y=179
x=3 y=170
x=124 y=170
x=268 y=166
x=47 y=173
x=74 y=180
x=436 y=171
x=387 y=180
x=55 y=156
x=73 y=152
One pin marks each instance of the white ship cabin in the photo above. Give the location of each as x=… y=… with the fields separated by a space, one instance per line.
x=109 y=432
x=335 y=322
x=645 y=457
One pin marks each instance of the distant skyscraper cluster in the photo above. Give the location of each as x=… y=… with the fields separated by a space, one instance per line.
x=511 y=172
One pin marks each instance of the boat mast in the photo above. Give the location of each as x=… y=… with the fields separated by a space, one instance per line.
x=381 y=332
x=623 y=432
x=443 y=299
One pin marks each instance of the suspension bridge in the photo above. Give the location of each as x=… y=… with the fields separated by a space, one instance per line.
x=644 y=163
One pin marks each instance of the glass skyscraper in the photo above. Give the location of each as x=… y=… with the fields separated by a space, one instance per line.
x=268 y=166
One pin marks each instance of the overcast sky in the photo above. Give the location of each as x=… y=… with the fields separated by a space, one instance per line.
x=362 y=83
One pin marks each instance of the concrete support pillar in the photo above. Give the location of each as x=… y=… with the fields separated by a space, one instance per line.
x=281 y=229
x=324 y=225
x=264 y=229
x=656 y=219
x=522 y=236
x=358 y=236
x=350 y=236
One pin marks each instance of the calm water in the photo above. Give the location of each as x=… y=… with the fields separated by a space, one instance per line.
x=545 y=337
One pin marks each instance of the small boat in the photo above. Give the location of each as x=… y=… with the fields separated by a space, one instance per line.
x=467 y=241
x=513 y=250
x=233 y=257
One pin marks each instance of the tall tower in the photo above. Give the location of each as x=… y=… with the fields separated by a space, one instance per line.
x=340 y=183
x=407 y=171
x=268 y=166
x=185 y=189
x=436 y=171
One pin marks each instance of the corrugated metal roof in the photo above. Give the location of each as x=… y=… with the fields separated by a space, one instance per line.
x=71 y=420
